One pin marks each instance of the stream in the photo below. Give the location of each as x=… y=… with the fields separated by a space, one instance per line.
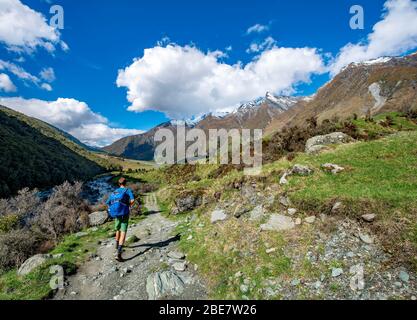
x=95 y=191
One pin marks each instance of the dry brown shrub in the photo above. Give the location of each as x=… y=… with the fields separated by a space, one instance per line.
x=16 y=246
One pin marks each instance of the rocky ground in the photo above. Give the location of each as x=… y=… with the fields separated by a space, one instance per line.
x=347 y=262
x=332 y=257
x=153 y=268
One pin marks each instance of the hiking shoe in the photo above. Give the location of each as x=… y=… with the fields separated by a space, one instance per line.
x=119 y=257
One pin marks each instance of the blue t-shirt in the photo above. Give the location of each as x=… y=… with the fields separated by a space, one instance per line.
x=131 y=198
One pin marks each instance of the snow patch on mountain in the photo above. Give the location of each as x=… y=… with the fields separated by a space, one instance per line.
x=376 y=61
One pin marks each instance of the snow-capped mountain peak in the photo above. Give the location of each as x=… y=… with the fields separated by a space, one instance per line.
x=283 y=102
x=279 y=103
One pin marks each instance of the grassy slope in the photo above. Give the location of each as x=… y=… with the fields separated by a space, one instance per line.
x=56 y=134
x=31 y=159
x=380 y=177
x=379 y=170
x=382 y=171
x=36 y=154
x=127 y=164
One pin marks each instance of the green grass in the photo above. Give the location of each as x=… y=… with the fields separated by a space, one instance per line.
x=375 y=128
x=382 y=170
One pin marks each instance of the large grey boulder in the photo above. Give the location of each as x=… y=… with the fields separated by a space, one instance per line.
x=301 y=170
x=187 y=202
x=32 y=263
x=317 y=143
x=176 y=255
x=164 y=284
x=98 y=218
x=218 y=215
x=257 y=213
x=278 y=222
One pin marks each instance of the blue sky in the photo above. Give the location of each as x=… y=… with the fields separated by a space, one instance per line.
x=105 y=36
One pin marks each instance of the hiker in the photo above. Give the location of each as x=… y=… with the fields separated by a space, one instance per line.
x=119 y=205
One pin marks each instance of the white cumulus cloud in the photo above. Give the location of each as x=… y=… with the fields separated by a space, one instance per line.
x=72 y=116
x=24 y=29
x=395 y=34
x=6 y=84
x=100 y=134
x=183 y=81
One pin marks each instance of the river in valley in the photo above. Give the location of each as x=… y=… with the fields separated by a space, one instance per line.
x=97 y=190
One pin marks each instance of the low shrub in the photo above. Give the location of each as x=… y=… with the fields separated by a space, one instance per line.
x=64 y=212
x=16 y=246
x=8 y=223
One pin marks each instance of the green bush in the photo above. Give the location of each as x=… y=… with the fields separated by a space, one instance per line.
x=8 y=223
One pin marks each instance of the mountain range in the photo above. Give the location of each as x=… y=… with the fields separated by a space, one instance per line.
x=252 y=115
x=371 y=87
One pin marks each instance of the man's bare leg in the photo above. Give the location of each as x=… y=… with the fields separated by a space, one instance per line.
x=122 y=238
x=117 y=238
x=120 y=241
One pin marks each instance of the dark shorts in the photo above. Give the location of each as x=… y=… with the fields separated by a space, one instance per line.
x=121 y=224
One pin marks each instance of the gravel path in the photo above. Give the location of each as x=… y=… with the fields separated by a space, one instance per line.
x=148 y=270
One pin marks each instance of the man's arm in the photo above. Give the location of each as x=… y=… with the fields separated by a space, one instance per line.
x=132 y=197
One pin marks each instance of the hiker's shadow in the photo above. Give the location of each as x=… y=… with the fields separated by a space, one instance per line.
x=150 y=246
x=151 y=212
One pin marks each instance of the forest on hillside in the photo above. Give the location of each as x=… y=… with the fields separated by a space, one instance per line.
x=30 y=159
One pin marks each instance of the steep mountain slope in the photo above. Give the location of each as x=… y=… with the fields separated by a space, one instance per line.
x=253 y=115
x=35 y=154
x=372 y=87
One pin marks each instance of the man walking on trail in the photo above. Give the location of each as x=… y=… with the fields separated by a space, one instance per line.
x=120 y=203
